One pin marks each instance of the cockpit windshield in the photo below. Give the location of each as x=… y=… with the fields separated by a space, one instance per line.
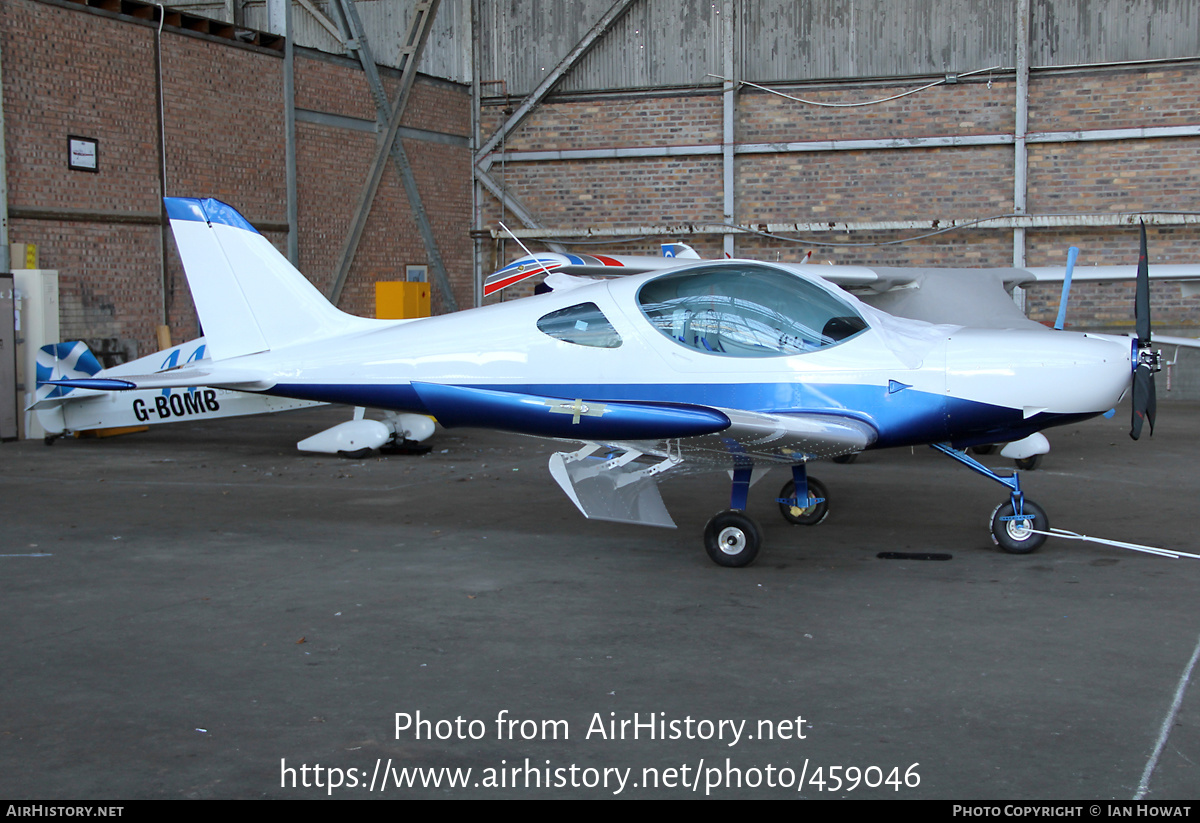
x=747 y=310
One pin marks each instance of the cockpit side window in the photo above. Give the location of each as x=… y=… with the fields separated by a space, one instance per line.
x=583 y=325
x=747 y=311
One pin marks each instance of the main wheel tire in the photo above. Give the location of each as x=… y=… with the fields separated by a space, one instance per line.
x=983 y=448
x=1014 y=536
x=1028 y=464
x=804 y=515
x=732 y=539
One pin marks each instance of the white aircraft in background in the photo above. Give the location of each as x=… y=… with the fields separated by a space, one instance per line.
x=726 y=364
x=975 y=297
x=63 y=410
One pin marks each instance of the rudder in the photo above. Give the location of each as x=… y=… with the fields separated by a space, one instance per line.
x=248 y=297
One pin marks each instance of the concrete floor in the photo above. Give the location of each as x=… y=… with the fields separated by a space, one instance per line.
x=200 y=611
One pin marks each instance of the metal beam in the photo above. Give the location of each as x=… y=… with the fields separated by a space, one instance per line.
x=1020 y=153
x=398 y=155
x=868 y=144
x=557 y=73
x=289 y=128
x=728 y=116
x=418 y=32
x=476 y=139
x=1005 y=222
x=511 y=203
x=323 y=20
x=482 y=161
x=5 y=262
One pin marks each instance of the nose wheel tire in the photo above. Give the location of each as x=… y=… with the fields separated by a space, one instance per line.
x=811 y=514
x=732 y=539
x=1014 y=535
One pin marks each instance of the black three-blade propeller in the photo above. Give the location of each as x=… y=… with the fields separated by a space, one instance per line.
x=1144 y=402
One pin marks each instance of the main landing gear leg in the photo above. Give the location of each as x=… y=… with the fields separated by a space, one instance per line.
x=732 y=538
x=1013 y=523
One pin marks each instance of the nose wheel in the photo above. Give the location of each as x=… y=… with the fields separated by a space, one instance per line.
x=1016 y=523
x=1015 y=533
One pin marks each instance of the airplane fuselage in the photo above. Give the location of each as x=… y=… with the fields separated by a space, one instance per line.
x=911 y=382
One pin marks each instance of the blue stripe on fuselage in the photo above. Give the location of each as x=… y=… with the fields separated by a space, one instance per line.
x=904 y=418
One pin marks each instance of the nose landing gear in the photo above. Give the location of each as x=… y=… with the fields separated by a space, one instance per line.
x=1017 y=524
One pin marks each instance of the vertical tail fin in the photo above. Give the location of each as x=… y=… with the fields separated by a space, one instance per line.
x=59 y=361
x=248 y=296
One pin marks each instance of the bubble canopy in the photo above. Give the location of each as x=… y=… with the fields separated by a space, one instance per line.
x=747 y=310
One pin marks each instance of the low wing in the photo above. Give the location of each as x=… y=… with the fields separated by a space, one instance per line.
x=781 y=438
x=613 y=481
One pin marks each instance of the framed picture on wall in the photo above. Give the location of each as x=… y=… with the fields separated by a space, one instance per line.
x=83 y=154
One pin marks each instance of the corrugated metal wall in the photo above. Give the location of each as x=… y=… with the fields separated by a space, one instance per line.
x=677 y=43
x=1073 y=32
x=671 y=44
x=447 y=53
x=781 y=40
x=654 y=45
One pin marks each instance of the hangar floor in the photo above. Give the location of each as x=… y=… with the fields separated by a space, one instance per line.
x=200 y=611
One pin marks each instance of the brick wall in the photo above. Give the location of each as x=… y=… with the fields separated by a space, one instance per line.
x=919 y=184
x=70 y=69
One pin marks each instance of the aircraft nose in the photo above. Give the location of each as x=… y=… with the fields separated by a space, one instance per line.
x=1057 y=372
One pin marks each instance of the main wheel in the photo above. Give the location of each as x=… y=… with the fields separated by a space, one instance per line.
x=731 y=538
x=1028 y=464
x=809 y=515
x=1016 y=536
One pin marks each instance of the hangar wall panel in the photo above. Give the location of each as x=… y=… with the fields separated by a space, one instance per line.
x=95 y=81
x=901 y=182
x=72 y=69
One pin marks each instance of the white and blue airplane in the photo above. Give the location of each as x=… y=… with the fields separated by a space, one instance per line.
x=63 y=410
x=729 y=364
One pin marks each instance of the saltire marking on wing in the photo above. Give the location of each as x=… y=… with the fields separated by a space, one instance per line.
x=577 y=409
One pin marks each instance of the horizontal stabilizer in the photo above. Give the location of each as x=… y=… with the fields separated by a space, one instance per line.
x=241 y=379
